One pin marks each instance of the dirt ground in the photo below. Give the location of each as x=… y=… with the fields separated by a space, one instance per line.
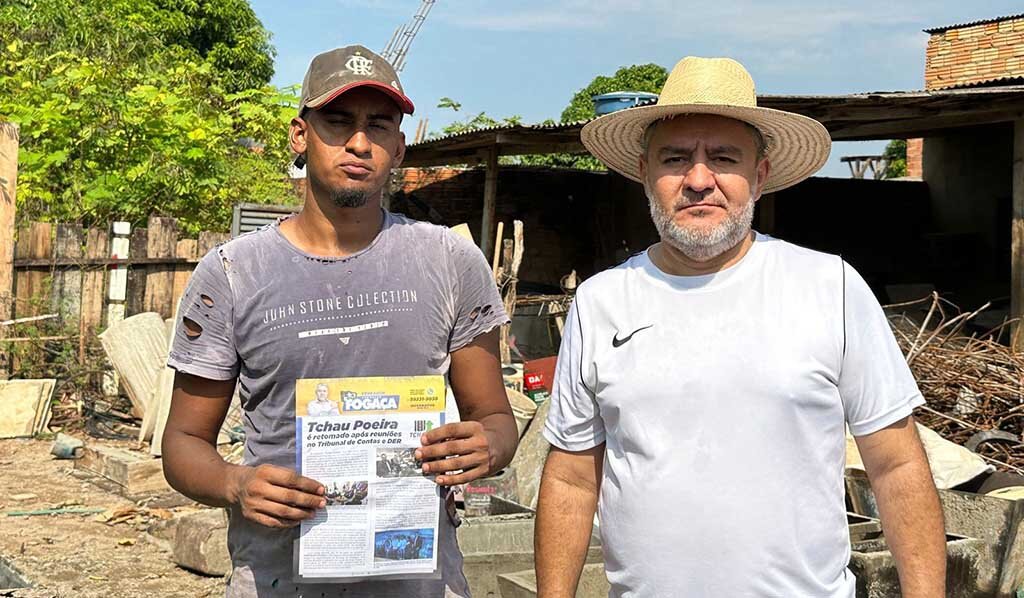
x=81 y=555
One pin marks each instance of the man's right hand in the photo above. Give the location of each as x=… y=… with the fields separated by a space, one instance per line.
x=274 y=496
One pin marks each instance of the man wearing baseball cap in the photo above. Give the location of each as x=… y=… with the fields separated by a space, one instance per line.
x=341 y=289
x=703 y=386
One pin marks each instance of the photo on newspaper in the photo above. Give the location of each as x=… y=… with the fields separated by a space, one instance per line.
x=358 y=437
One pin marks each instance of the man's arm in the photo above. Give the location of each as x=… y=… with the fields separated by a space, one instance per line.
x=485 y=441
x=269 y=495
x=909 y=506
x=569 y=490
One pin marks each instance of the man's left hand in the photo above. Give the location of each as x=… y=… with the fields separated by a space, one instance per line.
x=461 y=446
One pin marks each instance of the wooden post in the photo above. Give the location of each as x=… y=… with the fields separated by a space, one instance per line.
x=188 y=249
x=1017 y=258
x=8 y=193
x=120 y=247
x=66 y=296
x=162 y=241
x=497 y=256
x=92 y=290
x=490 y=201
x=135 y=299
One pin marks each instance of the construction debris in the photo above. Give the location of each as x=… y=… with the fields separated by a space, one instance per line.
x=137 y=348
x=67 y=447
x=25 y=407
x=134 y=474
x=201 y=542
x=971 y=382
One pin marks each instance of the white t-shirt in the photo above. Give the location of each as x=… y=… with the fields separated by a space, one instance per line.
x=722 y=401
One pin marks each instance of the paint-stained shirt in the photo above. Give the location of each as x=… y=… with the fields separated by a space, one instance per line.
x=263 y=311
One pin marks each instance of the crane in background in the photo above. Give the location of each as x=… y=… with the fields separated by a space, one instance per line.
x=398 y=48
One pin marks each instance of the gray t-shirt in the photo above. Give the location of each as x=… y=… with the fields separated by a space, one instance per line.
x=271 y=314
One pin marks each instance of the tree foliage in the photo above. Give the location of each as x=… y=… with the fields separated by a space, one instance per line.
x=137 y=107
x=639 y=77
x=895 y=155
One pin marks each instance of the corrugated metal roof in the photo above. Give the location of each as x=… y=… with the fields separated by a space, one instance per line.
x=985 y=82
x=505 y=128
x=973 y=23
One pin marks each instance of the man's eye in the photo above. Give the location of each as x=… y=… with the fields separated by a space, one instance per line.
x=673 y=160
x=726 y=159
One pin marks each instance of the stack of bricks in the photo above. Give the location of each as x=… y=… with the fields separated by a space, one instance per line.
x=975 y=54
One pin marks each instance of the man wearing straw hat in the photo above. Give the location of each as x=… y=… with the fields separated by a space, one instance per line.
x=703 y=386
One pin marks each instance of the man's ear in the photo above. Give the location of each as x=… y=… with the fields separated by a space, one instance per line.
x=642 y=160
x=399 y=154
x=297 y=135
x=764 y=167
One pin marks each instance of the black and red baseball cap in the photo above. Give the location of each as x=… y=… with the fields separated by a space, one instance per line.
x=336 y=71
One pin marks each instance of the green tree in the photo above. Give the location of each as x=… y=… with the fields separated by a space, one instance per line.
x=638 y=77
x=134 y=108
x=895 y=155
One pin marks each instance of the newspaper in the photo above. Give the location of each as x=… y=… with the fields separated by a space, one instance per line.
x=357 y=437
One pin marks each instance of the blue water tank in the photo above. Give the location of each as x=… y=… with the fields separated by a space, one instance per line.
x=607 y=103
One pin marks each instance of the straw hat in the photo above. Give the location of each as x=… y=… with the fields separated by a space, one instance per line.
x=797 y=146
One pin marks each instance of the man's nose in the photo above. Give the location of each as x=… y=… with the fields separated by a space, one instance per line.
x=700 y=178
x=359 y=143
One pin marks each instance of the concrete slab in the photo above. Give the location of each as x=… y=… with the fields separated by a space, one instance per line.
x=24 y=407
x=134 y=474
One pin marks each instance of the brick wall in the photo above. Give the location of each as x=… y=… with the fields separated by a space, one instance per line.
x=915 y=162
x=975 y=54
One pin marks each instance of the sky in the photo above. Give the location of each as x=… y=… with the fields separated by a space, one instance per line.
x=529 y=57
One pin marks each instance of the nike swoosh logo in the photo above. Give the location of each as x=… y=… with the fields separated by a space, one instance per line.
x=617 y=342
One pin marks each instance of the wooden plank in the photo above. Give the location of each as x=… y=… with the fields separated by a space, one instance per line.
x=134 y=473
x=8 y=193
x=136 y=293
x=1017 y=247
x=37 y=245
x=96 y=247
x=208 y=240
x=67 y=263
x=161 y=243
x=497 y=256
x=490 y=202
x=186 y=249
x=22 y=283
x=120 y=246
x=66 y=294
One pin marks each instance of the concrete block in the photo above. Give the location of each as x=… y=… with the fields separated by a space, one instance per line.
x=530 y=456
x=134 y=474
x=201 y=542
x=971 y=568
x=996 y=521
x=499 y=544
x=523 y=584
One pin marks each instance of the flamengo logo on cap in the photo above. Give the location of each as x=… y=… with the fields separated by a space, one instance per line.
x=359 y=65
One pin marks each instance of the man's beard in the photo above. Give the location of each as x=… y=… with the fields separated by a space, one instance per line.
x=699 y=243
x=349 y=198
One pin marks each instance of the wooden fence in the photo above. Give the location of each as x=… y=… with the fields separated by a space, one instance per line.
x=94 y=277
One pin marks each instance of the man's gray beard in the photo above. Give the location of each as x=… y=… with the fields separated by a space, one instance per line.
x=701 y=244
x=349 y=198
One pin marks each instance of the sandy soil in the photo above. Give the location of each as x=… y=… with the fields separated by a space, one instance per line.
x=82 y=555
